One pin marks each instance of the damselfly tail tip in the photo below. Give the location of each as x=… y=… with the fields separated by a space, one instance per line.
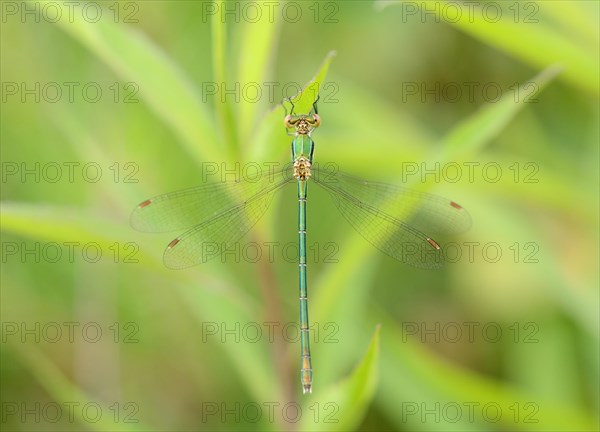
x=307 y=388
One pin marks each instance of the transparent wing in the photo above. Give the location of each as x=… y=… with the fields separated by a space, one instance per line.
x=220 y=233
x=432 y=214
x=395 y=219
x=189 y=207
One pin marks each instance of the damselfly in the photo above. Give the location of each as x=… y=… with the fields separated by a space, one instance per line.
x=217 y=215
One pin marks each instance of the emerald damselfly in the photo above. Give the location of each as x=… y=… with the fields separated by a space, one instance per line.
x=217 y=215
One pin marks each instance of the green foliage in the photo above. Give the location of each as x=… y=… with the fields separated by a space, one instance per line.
x=362 y=380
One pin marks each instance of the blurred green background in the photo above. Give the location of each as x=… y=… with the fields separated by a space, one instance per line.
x=490 y=342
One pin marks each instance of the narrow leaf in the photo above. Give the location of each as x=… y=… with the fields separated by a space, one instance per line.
x=258 y=43
x=161 y=83
x=304 y=100
x=474 y=132
x=525 y=36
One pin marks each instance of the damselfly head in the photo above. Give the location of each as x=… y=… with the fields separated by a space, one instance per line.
x=303 y=124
